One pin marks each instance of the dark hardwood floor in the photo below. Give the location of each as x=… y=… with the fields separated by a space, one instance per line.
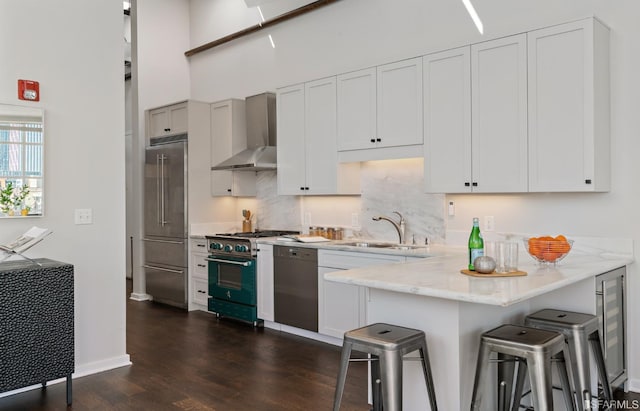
x=194 y=362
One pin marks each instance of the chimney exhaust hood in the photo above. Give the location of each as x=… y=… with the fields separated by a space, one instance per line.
x=261 y=137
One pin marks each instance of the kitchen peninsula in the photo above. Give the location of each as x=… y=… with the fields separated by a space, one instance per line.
x=453 y=309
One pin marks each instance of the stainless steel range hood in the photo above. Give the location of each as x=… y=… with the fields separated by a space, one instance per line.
x=261 y=137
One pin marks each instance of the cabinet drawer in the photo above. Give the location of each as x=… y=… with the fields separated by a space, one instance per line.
x=346 y=260
x=199 y=245
x=199 y=294
x=199 y=265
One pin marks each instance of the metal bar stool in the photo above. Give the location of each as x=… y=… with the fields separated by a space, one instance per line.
x=578 y=329
x=387 y=345
x=533 y=350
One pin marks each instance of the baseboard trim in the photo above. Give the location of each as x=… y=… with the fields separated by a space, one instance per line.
x=81 y=371
x=101 y=366
x=303 y=333
x=139 y=297
x=633 y=385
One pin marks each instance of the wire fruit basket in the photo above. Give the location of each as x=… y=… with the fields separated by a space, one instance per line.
x=547 y=249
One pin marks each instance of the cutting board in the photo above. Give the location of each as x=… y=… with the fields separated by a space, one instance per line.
x=494 y=274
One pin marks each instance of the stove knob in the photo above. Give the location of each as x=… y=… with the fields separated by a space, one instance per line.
x=242 y=248
x=214 y=246
x=228 y=248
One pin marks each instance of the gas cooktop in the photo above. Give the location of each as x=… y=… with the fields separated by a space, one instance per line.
x=240 y=244
x=258 y=234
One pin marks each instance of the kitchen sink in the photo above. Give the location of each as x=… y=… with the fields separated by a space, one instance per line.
x=391 y=246
x=367 y=244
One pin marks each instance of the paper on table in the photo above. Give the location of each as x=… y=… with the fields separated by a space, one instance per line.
x=26 y=240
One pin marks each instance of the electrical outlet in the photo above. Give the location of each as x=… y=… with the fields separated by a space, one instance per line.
x=452 y=209
x=489 y=223
x=355 y=220
x=83 y=216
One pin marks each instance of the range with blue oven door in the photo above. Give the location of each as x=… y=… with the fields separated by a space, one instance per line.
x=232 y=274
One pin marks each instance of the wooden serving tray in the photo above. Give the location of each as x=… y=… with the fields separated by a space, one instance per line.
x=494 y=274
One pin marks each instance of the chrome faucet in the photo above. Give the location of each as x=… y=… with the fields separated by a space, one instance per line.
x=399 y=226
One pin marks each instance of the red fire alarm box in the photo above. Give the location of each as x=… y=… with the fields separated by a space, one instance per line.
x=28 y=90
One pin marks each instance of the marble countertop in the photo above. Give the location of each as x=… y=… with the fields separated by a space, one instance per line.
x=349 y=245
x=440 y=276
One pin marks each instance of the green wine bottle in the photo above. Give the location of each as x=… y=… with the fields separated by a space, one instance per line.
x=476 y=243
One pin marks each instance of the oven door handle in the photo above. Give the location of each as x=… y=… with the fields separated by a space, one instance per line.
x=217 y=260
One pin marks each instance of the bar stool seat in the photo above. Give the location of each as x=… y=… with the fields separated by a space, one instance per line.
x=579 y=330
x=534 y=350
x=387 y=344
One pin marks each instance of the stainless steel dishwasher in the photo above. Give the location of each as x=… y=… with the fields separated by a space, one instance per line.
x=295 y=276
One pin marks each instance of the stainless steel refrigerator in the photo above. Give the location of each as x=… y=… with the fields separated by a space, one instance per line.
x=165 y=220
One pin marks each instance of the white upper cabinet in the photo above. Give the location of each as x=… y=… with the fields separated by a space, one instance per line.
x=476 y=119
x=569 y=108
x=229 y=137
x=291 y=148
x=356 y=109
x=447 y=121
x=307 y=146
x=499 y=115
x=168 y=120
x=399 y=96
x=380 y=112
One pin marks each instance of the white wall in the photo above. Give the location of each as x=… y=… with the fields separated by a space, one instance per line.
x=354 y=34
x=160 y=75
x=74 y=49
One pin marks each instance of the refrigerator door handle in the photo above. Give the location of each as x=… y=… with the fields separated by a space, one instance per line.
x=158 y=189
x=163 y=269
x=162 y=158
x=163 y=241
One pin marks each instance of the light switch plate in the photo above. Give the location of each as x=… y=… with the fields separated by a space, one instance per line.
x=83 y=216
x=355 y=220
x=489 y=223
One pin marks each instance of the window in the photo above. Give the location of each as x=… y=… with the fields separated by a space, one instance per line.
x=21 y=161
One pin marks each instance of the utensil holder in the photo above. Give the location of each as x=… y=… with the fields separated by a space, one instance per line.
x=246 y=226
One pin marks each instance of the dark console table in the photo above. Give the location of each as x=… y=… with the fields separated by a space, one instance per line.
x=36 y=323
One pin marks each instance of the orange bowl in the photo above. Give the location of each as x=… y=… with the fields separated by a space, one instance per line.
x=548 y=250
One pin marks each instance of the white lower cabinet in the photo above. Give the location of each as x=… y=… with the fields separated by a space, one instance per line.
x=342 y=307
x=265 y=282
x=200 y=293
x=198 y=275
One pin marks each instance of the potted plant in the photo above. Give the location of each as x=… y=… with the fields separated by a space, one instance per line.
x=6 y=199
x=19 y=197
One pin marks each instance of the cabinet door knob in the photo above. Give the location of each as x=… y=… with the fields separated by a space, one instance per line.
x=474 y=184
x=587 y=181
x=466 y=184
x=228 y=190
x=302 y=188
x=378 y=140
x=167 y=129
x=373 y=140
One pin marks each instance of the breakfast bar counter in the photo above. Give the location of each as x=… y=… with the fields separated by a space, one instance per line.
x=454 y=309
